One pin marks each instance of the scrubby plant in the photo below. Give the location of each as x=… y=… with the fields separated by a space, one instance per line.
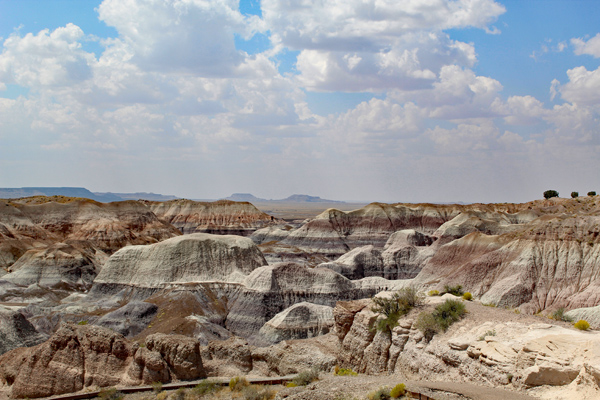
x=398 y=390
x=291 y=384
x=467 y=296
x=82 y=323
x=548 y=194
x=398 y=305
x=448 y=313
x=432 y=293
x=344 y=371
x=427 y=324
x=455 y=290
x=110 y=394
x=489 y=305
x=582 y=324
x=306 y=377
x=380 y=394
x=488 y=333
x=161 y=396
x=574 y=195
x=559 y=315
x=205 y=387
x=592 y=193
x=237 y=383
x=254 y=392
x=157 y=387
x=179 y=394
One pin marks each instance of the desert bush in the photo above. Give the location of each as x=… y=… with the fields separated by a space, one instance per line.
x=306 y=377
x=456 y=290
x=582 y=324
x=237 y=383
x=161 y=396
x=291 y=384
x=179 y=394
x=157 y=387
x=574 y=195
x=398 y=305
x=398 y=390
x=592 y=193
x=82 y=323
x=433 y=293
x=205 y=387
x=110 y=394
x=448 y=313
x=559 y=315
x=254 y=392
x=427 y=324
x=344 y=371
x=467 y=296
x=548 y=194
x=380 y=394
x=488 y=333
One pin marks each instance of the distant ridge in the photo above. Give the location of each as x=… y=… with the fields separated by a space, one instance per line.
x=14 y=193
x=295 y=198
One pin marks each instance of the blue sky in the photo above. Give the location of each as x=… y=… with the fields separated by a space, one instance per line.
x=432 y=100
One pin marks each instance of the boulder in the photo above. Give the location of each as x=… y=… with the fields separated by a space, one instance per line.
x=300 y=321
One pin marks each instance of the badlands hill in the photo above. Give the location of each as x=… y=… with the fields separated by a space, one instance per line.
x=78 y=261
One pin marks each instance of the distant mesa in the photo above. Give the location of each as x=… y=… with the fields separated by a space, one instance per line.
x=295 y=198
x=107 y=197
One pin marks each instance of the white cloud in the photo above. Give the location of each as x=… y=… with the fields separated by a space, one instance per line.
x=590 y=47
x=583 y=86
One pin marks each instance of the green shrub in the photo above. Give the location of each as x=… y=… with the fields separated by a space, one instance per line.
x=110 y=394
x=157 y=387
x=82 y=323
x=398 y=305
x=306 y=377
x=179 y=394
x=592 y=193
x=467 y=296
x=162 y=395
x=574 y=195
x=254 y=392
x=427 y=324
x=582 y=325
x=559 y=315
x=291 y=384
x=206 y=386
x=398 y=390
x=432 y=293
x=488 y=333
x=344 y=371
x=456 y=290
x=548 y=194
x=238 y=383
x=380 y=394
x=448 y=313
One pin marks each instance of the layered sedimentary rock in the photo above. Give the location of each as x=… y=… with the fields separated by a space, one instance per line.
x=16 y=331
x=130 y=319
x=271 y=289
x=199 y=257
x=76 y=357
x=491 y=353
x=219 y=217
x=300 y=321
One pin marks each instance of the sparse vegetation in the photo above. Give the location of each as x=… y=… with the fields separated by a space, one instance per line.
x=427 y=325
x=82 y=323
x=432 y=293
x=205 y=387
x=574 y=195
x=110 y=394
x=157 y=387
x=254 y=392
x=380 y=394
x=237 y=383
x=398 y=305
x=559 y=315
x=592 y=193
x=179 y=394
x=455 y=290
x=488 y=305
x=398 y=390
x=467 y=296
x=488 y=333
x=344 y=371
x=582 y=325
x=548 y=194
x=306 y=377
x=440 y=319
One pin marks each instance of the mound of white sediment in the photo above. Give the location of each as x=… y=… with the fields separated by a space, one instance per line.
x=300 y=321
x=199 y=257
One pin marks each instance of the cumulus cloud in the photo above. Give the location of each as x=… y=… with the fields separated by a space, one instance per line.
x=583 y=86
x=590 y=47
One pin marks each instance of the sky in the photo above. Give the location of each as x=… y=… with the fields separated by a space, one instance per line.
x=356 y=100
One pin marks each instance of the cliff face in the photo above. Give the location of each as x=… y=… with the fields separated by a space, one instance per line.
x=219 y=217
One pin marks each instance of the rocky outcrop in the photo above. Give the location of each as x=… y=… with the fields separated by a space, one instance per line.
x=16 y=331
x=129 y=320
x=58 y=266
x=219 y=217
x=198 y=257
x=78 y=356
x=300 y=321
